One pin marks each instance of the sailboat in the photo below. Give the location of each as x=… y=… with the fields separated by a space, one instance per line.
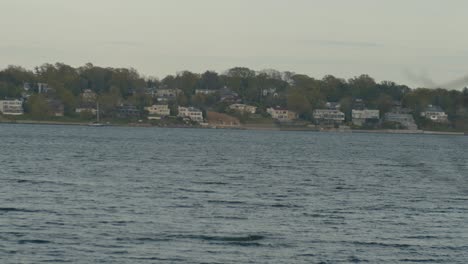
x=97 y=122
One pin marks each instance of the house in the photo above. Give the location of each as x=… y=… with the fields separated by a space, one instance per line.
x=406 y=120
x=401 y=115
x=228 y=96
x=361 y=117
x=192 y=113
x=88 y=96
x=205 y=91
x=83 y=109
x=435 y=114
x=269 y=91
x=165 y=94
x=359 y=104
x=328 y=116
x=56 y=107
x=222 y=120
x=150 y=91
x=11 y=107
x=333 y=105
x=158 y=110
x=243 y=108
x=127 y=111
x=27 y=87
x=282 y=114
x=43 y=88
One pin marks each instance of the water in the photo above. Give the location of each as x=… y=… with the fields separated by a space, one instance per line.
x=148 y=195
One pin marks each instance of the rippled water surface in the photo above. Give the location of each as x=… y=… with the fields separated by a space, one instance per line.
x=148 y=195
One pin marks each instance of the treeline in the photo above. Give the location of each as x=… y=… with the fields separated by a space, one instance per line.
x=297 y=92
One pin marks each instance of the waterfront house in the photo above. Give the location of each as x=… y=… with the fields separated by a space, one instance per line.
x=406 y=120
x=86 y=108
x=56 y=107
x=192 y=113
x=328 y=116
x=361 y=117
x=402 y=116
x=128 y=111
x=221 y=120
x=282 y=114
x=243 y=108
x=435 y=114
x=158 y=110
x=11 y=107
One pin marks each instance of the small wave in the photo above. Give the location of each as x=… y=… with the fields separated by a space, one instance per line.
x=212 y=183
x=34 y=241
x=20 y=210
x=247 y=238
x=379 y=244
x=225 y=202
x=422 y=260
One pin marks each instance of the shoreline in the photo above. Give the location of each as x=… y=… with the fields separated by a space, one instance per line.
x=254 y=127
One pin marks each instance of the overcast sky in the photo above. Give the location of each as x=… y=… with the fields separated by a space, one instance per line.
x=407 y=41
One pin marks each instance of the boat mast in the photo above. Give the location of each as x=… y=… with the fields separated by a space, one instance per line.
x=97 y=112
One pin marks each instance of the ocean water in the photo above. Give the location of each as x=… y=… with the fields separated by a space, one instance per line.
x=71 y=194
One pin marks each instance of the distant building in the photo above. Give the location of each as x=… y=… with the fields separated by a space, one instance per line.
x=361 y=117
x=43 y=88
x=222 y=120
x=127 y=111
x=282 y=114
x=333 y=105
x=27 y=87
x=88 y=96
x=11 y=107
x=56 y=107
x=228 y=96
x=158 y=110
x=406 y=120
x=205 y=91
x=358 y=104
x=269 y=91
x=243 y=108
x=151 y=91
x=435 y=114
x=91 y=110
x=328 y=116
x=165 y=95
x=192 y=113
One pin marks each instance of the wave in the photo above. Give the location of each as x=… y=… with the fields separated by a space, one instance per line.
x=34 y=241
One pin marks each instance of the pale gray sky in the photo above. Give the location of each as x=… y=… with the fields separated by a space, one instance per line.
x=398 y=40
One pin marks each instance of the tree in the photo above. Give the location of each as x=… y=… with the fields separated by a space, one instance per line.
x=38 y=107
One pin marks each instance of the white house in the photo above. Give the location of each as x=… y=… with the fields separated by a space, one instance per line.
x=435 y=114
x=243 y=108
x=362 y=116
x=282 y=114
x=204 y=91
x=91 y=110
x=191 y=112
x=11 y=107
x=158 y=110
x=328 y=116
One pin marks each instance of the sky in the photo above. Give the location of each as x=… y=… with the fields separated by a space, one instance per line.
x=413 y=42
